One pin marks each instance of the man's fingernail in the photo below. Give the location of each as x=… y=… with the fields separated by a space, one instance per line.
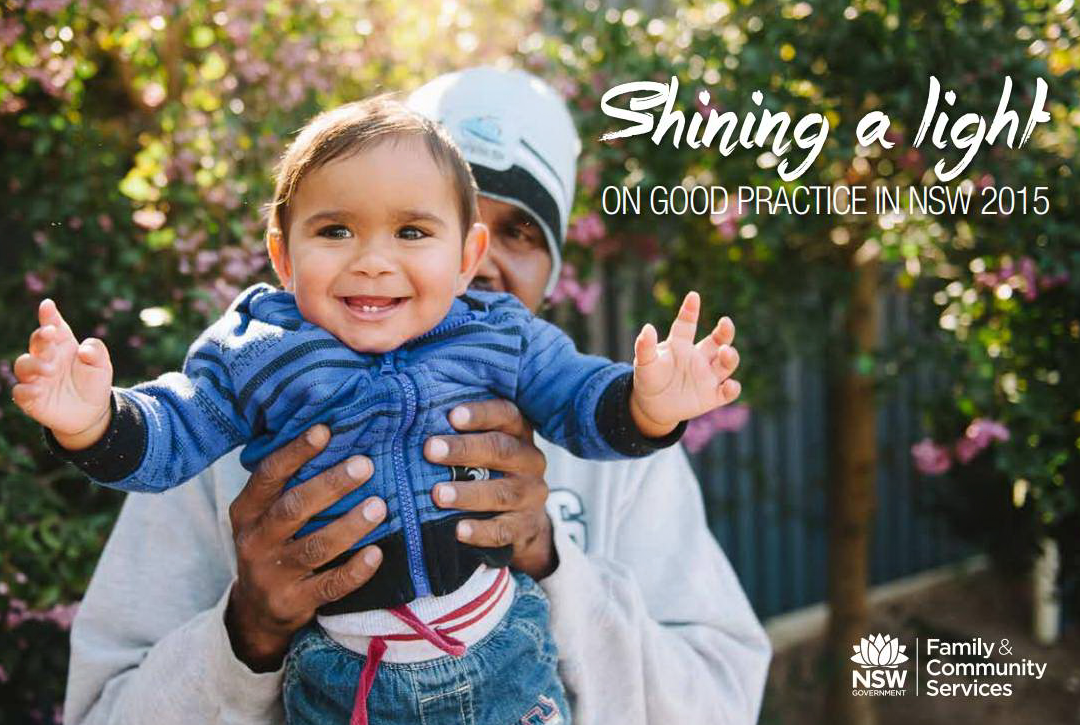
x=372 y=556
x=464 y=530
x=438 y=448
x=357 y=468
x=447 y=494
x=374 y=510
x=460 y=416
x=315 y=436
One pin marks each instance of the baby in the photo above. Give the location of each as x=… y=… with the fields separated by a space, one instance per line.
x=373 y=235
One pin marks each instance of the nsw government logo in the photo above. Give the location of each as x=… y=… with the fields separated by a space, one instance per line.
x=879 y=657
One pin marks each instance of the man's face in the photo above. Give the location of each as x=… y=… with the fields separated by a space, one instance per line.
x=518 y=260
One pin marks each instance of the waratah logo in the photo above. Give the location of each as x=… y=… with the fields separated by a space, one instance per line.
x=879 y=651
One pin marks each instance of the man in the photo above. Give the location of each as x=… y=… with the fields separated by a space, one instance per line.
x=199 y=590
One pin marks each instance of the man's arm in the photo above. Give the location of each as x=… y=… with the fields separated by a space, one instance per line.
x=660 y=631
x=175 y=628
x=149 y=643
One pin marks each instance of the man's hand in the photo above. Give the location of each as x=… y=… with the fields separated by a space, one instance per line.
x=276 y=590
x=519 y=497
x=676 y=380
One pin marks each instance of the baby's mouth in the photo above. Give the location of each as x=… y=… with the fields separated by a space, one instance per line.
x=369 y=307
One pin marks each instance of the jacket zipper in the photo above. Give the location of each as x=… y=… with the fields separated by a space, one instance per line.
x=414 y=552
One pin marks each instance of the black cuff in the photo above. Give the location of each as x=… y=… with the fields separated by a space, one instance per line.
x=617 y=426
x=119 y=452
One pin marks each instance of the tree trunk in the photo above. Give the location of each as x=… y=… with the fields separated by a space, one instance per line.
x=853 y=459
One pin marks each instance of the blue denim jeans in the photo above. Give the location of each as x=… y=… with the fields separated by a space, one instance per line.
x=507 y=678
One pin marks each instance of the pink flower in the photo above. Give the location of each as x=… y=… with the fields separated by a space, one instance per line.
x=151 y=219
x=153 y=95
x=979 y=434
x=6 y=375
x=10 y=30
x=48 y=6
x=588 y=297
x=587 y=229
x=701 y=430
x=34 y=284
x=930 y=458
x=569 y=287
x=1027 y=272
x=967 y=449
x=589 y=177
x=1050 y=281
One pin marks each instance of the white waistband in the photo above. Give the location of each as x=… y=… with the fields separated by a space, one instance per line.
x=354 y=631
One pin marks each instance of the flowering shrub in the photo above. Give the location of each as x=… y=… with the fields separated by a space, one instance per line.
x=137 y=140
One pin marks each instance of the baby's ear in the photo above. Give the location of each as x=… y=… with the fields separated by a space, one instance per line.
x=472 y=254
x=279 y=256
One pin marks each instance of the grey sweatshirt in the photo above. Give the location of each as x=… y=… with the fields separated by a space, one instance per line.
x=651 y=623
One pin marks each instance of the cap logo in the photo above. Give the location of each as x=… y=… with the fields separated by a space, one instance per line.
x=485 y=128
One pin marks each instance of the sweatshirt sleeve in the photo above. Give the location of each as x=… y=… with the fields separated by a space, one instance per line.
x=580 y=402
x=660 y=631
x=167 y=430
x=149 y=644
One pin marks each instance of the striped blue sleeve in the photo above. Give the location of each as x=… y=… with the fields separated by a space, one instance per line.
x=166 y=431
x=560 y=390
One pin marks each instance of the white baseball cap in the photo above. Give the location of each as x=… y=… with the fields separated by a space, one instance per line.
x=517 y=135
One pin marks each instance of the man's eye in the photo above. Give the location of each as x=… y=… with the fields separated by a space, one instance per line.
x=411 y=233
x=520 y=236
x=334 y=231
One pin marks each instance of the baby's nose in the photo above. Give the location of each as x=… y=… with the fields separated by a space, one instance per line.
x=372 y=260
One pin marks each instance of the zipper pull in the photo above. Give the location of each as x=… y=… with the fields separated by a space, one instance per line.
x=388 y=363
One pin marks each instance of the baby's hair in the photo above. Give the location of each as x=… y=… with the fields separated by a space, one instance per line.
x=353 y=127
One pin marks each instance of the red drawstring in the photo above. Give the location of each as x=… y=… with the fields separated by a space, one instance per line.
x=377 y=648
x=437 y=637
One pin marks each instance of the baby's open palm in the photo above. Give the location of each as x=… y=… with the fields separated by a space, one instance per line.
x=64 y=385
x=676 y=379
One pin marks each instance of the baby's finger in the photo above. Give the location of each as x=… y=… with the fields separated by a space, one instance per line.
x=685 y=325
x=711 y=343
x=724 y=334
x=728 y=358
x=25 y=396
x=93 y=352
x=645 y=346
x=728 y=391
x=27 y=367
x=41 y=341
x=49 y=314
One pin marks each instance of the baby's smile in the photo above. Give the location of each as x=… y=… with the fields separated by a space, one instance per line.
x=369 y=308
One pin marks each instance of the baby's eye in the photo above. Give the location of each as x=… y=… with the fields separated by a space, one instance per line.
x=411 y=233
x=334 y=231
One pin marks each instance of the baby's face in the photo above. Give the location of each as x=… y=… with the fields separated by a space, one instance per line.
x=374 y=252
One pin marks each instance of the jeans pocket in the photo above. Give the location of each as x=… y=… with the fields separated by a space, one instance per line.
x=454 y=707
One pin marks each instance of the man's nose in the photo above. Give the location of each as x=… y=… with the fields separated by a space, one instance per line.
x=488 y=274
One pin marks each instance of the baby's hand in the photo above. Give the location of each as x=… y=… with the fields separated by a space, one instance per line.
x=63 y=385
x=676 y=380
